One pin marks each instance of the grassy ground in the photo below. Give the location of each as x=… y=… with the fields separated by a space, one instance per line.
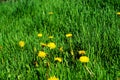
x=94 y=26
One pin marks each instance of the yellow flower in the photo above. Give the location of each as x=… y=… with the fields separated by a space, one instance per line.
x=118 y=13
x=69 y=35
x=50 y=37
x=58 y=59
x=21 y=43
x=81 y=52
x=61 y=49
x=53 y=78
x=43 y=44
x=84 y=59
x=39 y=35
x=51 y=45
x=42 y=54
x=50 y=13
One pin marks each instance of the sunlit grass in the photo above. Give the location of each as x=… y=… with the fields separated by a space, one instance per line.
x=56 y=39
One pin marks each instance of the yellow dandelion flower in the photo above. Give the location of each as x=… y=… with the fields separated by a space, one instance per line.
x=53 y=78
x=39 y=35
x=69 y=35
x=81 y=52
x=118 y=13
x=42 y=54
x=61 y=49
x=58 y=59
x=50 y=37
x=21 y=43
x=50 y=13
x=43 y=44
x=51 y=45
x=84 y=59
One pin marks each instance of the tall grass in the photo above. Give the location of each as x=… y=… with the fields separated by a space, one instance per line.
x=95 y=28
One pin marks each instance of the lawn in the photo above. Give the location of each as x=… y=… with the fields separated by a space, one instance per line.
x=60 y=39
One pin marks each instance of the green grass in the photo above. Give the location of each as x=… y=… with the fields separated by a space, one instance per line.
x=95 y=28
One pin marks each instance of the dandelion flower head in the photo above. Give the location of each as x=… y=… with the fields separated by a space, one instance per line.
x=69 y=35
x=51 y=45
x=21 y=43
x=84 y=59
x=118 y=13
x=53 y=78
x=42 y=54
x=81 y=52
x=39 y=35
x=58 y=59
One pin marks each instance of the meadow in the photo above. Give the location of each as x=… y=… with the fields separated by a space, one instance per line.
x=60 y=40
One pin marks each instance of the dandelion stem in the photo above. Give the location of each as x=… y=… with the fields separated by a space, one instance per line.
x=91 y=73
x=72 y=53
